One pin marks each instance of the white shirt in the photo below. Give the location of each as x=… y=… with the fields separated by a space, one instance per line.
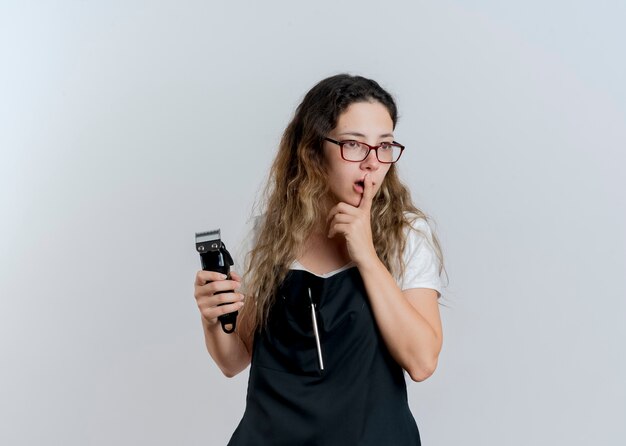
x=420 y=259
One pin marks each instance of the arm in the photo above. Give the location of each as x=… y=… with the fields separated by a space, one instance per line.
x=408 y=320
x=231 y=352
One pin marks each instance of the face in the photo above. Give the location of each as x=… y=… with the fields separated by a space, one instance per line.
x=367 y=122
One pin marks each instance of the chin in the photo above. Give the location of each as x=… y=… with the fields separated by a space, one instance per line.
x=353 y=200
x=336 y=199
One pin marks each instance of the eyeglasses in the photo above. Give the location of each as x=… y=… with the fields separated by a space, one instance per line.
x=356 y=151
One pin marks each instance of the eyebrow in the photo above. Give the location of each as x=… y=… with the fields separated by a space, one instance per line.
x=386 y=135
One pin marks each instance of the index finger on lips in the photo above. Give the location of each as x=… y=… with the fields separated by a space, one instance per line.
x=368 y=192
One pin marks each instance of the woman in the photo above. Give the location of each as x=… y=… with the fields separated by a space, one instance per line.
x=342 y=283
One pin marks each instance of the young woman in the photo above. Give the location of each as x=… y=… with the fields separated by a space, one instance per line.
x=342 y=283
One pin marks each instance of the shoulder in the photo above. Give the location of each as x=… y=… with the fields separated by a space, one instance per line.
x=420 y=256
x=418 y=229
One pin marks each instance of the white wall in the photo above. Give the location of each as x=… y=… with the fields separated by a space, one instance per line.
x=126 y=126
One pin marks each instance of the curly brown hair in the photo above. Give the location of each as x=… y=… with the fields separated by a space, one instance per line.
x=297 y=185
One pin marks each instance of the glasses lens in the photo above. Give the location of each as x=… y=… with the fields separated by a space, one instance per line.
x=389 y=153
x=354 y=151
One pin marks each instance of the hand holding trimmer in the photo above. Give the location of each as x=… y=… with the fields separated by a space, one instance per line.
x=215 y=257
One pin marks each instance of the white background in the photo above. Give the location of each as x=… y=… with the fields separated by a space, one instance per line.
x=126 y=126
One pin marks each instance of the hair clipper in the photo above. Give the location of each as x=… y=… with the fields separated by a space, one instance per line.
x=215 y=257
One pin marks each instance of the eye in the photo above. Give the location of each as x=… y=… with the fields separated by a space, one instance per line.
x=351 y=144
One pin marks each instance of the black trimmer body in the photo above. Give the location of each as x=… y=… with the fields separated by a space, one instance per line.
x=215 y=257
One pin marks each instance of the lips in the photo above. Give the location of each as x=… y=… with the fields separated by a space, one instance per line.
x=359 y=186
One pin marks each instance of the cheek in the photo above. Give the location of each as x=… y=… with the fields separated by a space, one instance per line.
x=339 y=172
x=383 y=174
x=332 y=167
x=381 y=179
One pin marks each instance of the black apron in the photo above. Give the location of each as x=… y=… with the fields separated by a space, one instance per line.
x=359 y=398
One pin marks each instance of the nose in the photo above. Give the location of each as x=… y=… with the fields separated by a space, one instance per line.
x=371 y=162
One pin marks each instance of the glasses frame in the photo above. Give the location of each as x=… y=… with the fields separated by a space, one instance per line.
x=374 y=148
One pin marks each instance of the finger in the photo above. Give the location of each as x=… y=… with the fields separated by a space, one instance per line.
x=332 y=213
x=229 y=308
x=343 y=218
x=368 y=193
x=235 y=276
x=218 y=286
x=213 y=300
x=339 y=218
x=331 y=216
x=226 y=298
x=215 y=312
x=203 y=277
x=340 y=208
x=339 y=228
x=345 y=208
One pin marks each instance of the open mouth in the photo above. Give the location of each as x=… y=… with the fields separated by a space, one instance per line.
x=359 y=186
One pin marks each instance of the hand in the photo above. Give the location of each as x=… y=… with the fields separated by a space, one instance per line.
x=354 y=224
x=208 y=301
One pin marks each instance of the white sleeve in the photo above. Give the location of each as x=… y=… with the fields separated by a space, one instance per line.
x=420 y=260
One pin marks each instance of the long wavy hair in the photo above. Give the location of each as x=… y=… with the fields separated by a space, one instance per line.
x=297 y=185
